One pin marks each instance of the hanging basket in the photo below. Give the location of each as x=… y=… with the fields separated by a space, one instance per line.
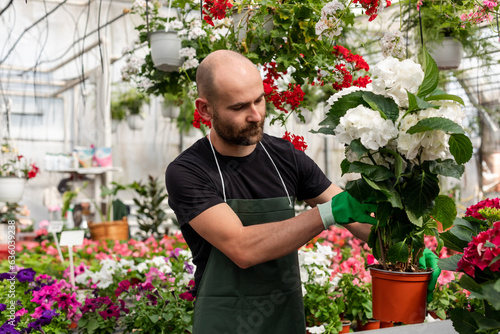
x=240 y=25
x=115 y=230
x=448 y=54
x=135 y=122
x=165 y=47
x=170 y=110
x=399 y=296
x=11 y=189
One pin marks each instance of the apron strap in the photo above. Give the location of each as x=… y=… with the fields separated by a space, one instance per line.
x=218 y=167
x=272 y=161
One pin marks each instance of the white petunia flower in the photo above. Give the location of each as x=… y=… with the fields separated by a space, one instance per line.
x=316 y=329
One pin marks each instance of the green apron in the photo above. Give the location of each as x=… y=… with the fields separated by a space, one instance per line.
x=266 y=298
x=263 y=299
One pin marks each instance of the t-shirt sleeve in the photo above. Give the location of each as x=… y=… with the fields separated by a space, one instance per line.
x=312 y=181
x=190 y=191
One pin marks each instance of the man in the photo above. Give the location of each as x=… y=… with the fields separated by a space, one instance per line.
x=233 y=193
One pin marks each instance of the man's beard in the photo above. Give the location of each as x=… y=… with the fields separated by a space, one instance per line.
x=251 y=134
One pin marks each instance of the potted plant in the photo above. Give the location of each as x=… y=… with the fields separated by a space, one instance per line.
x=118 y=111
x=14 y=171
x=399 y=136
x=477 y=237
x=131 y=103
x=448 y=29
x=113 y=213
x=171 y=107
x=151 y=207
x=358 y=302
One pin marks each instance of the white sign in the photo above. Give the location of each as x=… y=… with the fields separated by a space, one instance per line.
x=56 y=226
x=72 y=238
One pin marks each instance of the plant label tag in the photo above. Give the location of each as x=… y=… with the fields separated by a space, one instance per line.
x=72 y=238
x=56 y=226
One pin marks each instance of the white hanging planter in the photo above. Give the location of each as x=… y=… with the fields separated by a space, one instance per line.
x=11 y=189
x=240 y=25
x=165 y=47
x=135 y=122
x=447 y=54
x=170 y=110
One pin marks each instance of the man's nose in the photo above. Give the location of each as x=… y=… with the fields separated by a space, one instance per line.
x=255 y=115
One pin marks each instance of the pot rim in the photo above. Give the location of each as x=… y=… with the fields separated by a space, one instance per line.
x=429 y=271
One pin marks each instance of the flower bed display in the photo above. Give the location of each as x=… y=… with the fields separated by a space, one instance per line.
x=125 y=286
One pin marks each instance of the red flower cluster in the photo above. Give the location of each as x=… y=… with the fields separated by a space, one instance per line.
x=198 y=120
x=356 y=62
x=215 y=9
x=297 y=141
x=481 y=252
x=371 y=7
x=292 y=97
x=33 y=171
x=472 y=211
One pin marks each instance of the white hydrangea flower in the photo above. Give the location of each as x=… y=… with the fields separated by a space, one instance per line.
x=366 y=125
x=335 y=97
x=393 y=78
x=393 y=45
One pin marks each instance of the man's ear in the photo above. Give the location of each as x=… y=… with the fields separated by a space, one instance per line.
x=202 y=107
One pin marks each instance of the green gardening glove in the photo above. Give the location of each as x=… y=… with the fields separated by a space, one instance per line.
x=345 y=209
x=430 y=260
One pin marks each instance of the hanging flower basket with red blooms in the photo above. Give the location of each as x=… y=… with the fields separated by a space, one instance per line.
x=14 y=171
x=298 y=56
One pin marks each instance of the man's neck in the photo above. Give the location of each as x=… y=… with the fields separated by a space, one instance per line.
x=227 y=149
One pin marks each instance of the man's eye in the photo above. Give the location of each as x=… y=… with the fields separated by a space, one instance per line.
x=238 y=108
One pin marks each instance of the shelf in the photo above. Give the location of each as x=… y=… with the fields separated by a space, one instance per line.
x=88 y=170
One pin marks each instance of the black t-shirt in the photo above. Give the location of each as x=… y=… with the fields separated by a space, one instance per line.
x=194 y=184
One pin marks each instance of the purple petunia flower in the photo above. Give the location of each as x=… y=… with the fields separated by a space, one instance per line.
x=47 y=316
x=6 y=328
x=3 y=307
x=6 y=276
x=26 y=275
x=189 y=268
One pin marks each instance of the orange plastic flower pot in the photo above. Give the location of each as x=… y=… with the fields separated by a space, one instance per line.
x=398 y=296
x=371 y=324
x=386 y=324
x=346 y=326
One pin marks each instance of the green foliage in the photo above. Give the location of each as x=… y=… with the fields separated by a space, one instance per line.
x=151 y=212
x=126 y=103
x=357 y=298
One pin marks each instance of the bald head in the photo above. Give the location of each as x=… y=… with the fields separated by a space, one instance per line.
x=217 y=61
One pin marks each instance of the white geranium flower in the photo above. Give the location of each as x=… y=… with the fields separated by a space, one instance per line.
x=187 y=52
x=304 y=274
x=191 y=63
x=366 y=125
x=176 y=24
x=393 y=44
